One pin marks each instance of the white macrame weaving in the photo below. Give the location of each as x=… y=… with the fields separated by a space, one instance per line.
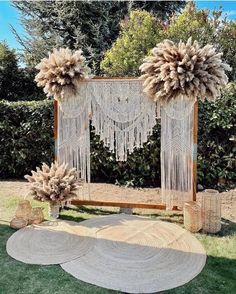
x=177 y=152
x=122 y=116
x=74 y=136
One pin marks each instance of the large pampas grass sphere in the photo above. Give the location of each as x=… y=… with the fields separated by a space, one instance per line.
x=60 y=73
x=183 y=70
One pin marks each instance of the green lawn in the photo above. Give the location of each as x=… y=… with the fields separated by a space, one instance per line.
x=218 y=276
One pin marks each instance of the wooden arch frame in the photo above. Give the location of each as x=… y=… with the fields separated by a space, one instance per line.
x=134 y=204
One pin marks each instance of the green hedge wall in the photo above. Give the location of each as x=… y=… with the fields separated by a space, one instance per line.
x=26 y=134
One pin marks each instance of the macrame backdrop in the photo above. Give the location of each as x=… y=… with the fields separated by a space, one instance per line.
x=177 y=152
x=174 y=75
x=122 y=116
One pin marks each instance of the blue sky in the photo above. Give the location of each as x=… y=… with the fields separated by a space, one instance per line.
x=10 y=16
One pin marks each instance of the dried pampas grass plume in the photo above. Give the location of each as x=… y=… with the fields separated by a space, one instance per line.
x=54 y=184
x=60 y=73
x=175 y=70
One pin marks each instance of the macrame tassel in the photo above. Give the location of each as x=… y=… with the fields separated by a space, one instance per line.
x=177 y=152
x=122 y=116
x=74 y=135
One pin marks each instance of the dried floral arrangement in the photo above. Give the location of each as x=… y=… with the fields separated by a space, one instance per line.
x=60 y=73
x=54 y=184
x=183 y=69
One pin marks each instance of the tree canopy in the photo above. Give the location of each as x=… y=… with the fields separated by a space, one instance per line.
x=139 y=33
x=8 y=68
x=16 y=83
x=89 y=25
x=207 y=28
x=142 y=30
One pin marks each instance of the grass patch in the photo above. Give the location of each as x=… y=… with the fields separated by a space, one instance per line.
x=218 y=276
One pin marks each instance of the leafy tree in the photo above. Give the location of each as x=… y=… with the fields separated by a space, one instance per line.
x=90 y=25
x=8 y=69
x=226 y=39
x=139 y=33
x=15 y=83
x=205 y=27
x=126 y=54
x=193 y=23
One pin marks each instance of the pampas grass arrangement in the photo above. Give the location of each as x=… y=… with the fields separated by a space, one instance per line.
x=54 y=184
x=60 y=73
x=183 y=69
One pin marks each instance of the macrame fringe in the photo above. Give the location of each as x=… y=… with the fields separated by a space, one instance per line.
x=122 y=116
x=177 y=152
x=74 y=135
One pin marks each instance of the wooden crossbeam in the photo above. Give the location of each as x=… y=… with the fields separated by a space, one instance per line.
x=120 y=204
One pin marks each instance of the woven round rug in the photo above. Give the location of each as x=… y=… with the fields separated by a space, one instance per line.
x=52 y=242
x=138 y=255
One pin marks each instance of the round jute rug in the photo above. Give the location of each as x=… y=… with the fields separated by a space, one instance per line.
x=138 y=255
x=51 y=242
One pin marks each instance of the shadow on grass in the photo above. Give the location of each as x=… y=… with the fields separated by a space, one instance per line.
x=171 y=217
x=228 y=228
x=90 y=210
x=80 y=213
x=71 y=218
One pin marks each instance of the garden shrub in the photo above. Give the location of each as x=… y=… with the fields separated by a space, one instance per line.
x=26 y=134
x=216 y=136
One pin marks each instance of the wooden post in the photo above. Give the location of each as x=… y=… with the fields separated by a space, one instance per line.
x=55 y=129
x=195 y=131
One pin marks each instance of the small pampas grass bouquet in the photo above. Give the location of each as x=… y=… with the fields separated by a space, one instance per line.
x=61 y=72
x=183 y=70
x=54 y=183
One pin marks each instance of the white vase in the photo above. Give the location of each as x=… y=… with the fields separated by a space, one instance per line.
x=54 y=209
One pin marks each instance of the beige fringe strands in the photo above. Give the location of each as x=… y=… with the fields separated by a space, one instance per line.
x=177 y=152
x=121 y=114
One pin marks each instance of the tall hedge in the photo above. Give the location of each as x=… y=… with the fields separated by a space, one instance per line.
x=26 y=134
